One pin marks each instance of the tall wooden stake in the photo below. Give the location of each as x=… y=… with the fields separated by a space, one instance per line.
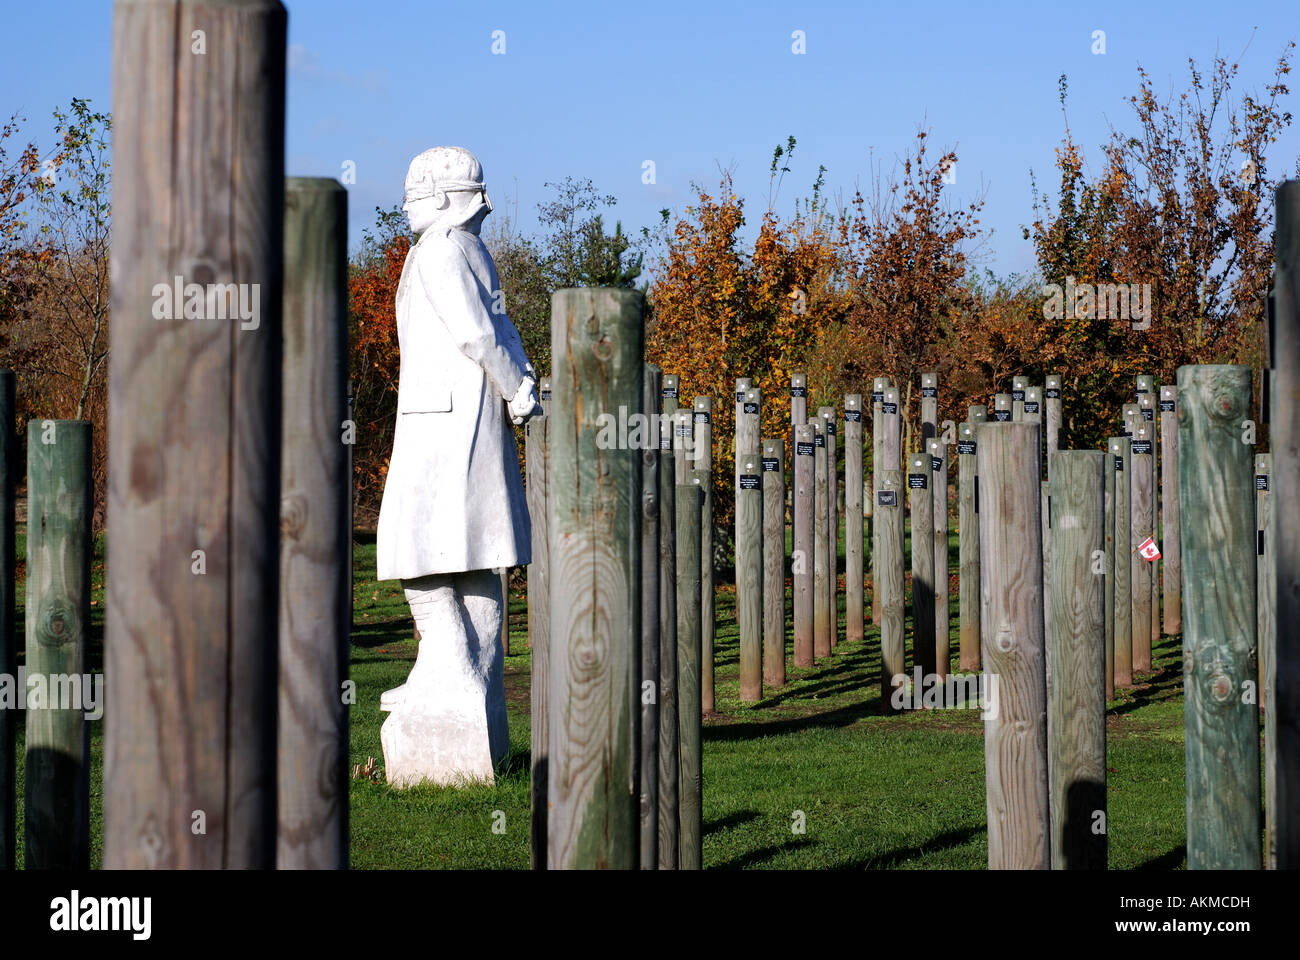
x=968 y=599
x=1171 y=542
x=878 y=386
x=648 y=785
x=1141 y=528
x=669 y=752
x=939 y=518
x=1052 y=406
x=708 y=622
x=539 y=628
x=749 y=577
x=853 y=519
x=803 y=543
x=922 y=514
x=821 y=548
x=889 y=522
x=690 y=501
x=1121 y=460
x=1265 y=578
x=773 y=474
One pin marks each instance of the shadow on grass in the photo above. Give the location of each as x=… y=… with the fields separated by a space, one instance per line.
x=757 y=857
x=1163 y=683
x=1172 y=860
x=842 y=717
x=892 y=858
x=729 y=821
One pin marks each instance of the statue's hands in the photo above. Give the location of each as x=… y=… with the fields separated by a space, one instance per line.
x=525 y=404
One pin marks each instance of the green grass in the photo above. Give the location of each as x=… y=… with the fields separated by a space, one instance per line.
x=875 y=791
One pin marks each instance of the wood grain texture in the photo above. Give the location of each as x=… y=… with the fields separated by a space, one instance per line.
x=690 y=501
x=939 y=525
x=315 y=580
x=773 y=475
x=1011 y=585
x=891 y=442
x=1077 y=652
x=854 y=574
x=1002 y=412
x=921 y=509
x=194 y=417
x=1216 y=486
x=878 y=386
x=798 y=401
x=648 y=782
x=1108 y=529
x=749 y=576
x=1140 y=528
x=1147 y=406
x=968 y=599
x=1018 y=387
x=1266 y=640
x=703 y=407
x=8 y=647
x=744 y=428
x=821 y=549
x=57 y=772
x=669 y=753
x=1285 y=442
x=803 y=543
x=539 y=631
x=1171 y=541
x=596 y=349
x=1121 y=460
x=830 y=427
x=889 y=521
x=1052 y=389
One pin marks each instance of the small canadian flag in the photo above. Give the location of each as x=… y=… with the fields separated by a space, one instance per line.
x=1149 y=550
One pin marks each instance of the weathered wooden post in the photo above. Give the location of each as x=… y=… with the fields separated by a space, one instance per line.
x=315 y=582
x=853 y=519
x=1222 y=740
x=803 y=543
x=828 y=417
x=939 y=518
x=1077 y=643
x=1171 y=542
x=1141 y=528
x=194 y=417
x=1131 y=414
x=744 y=440
x=1265 y=580
x=1147 y=408
x=749 y=577
x=1052 y=410
x=648 y=784
x=929 y=407
x=539 y=624
x=773 y=464
x=921 y=506
x=968 y=611
x=821 y=549
x=1001 y=408
x=671 y=400
x=889 y=522
x=1108 y=528
x=690 y=502
x=708 y=623
x=595 y=664
x=8 y=651
x=1284 y=422
x=1121 y=454
x=1018 y=387
x=878 y=386
x=1032 y=412
x=669 y=752
x=798 y=400
x=59 y=503
x=1015 y=731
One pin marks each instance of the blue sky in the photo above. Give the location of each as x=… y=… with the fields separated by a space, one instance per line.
x=594 y=90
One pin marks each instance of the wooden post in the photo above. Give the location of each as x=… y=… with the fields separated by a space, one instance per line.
x=708 y=622
x=1018 y=387
x=1015 y=733
x=1171 y=541
x=804 y=543
x=773 y=464
x=889 y=523
x=1130 y=414
x=1147 y=407
x=1141 y=528
x=829 y=428
x=798 y=400
x=669 y=753
x=743 y=440
x=315 y=642
x=539 y=629
x=8 y=651
x=929 y=407
x=194 y=422
x=921 y=504
x=821 y=549
x=939 y=517
x=853 y=519
x=595 y=700
x=1002 y=412
x=1285 y=441
x=1077 y=644
x=878 y=386
x=968 y=611
x=1108 y=528
x=1215 y=485
x=690 y=501
x=1052 y=407
x=648 y=782
x=544 y=395
x=1265 y=578
x=668 y=407
x=749 y=577
x=59 y=504
x=891 y=450
x=1121 y=456
x=1033 y=413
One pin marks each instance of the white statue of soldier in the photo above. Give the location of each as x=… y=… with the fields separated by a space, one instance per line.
x=453 y=509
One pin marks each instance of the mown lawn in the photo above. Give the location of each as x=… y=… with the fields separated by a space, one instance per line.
x=873 y=791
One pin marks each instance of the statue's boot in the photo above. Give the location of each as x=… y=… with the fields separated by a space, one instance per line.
x=442 y=729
